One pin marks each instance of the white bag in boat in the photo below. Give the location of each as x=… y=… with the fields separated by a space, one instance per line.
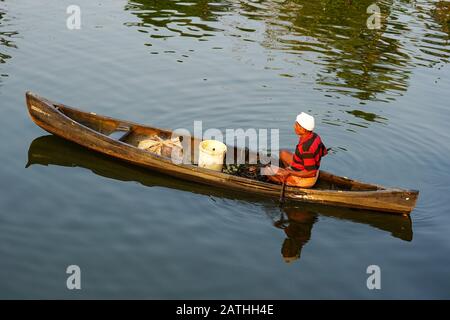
x=166 y=148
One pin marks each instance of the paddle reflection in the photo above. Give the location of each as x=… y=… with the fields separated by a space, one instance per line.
x=295 y=219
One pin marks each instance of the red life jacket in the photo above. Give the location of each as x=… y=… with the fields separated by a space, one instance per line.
x=308 y=153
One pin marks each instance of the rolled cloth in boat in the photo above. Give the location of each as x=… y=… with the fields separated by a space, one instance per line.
x=166 y=148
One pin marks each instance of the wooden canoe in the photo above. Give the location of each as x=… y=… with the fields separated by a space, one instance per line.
x=98 y=132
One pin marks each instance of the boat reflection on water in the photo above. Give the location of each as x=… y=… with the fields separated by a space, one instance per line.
x=296 y=220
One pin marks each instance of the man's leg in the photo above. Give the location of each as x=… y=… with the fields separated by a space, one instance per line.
x=271 y=173
x=285 y=158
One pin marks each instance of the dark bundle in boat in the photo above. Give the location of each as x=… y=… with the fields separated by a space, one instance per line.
x=249 y=171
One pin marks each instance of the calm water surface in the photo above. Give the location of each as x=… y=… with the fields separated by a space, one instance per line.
x=380 y=98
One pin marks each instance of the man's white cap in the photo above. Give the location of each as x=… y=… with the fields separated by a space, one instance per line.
x=306 y=121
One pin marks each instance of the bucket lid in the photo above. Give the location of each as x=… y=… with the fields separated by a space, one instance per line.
x=213 y=147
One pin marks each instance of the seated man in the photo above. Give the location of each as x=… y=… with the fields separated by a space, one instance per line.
x=300 y=169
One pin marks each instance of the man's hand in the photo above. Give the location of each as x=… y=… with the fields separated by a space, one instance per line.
x=302 y=174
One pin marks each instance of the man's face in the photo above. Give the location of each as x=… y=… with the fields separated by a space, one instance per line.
x=298 y=129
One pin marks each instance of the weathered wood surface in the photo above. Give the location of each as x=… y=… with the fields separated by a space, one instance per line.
x=91 y=131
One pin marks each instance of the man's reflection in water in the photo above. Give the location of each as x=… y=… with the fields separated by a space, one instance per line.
x=297 y=227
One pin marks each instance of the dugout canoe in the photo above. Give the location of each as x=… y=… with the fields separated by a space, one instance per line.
x=100 y=133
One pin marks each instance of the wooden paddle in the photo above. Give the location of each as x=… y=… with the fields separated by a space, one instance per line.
x=282 y=193
x=283 y=187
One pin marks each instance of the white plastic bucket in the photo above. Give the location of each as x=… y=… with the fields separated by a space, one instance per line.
x=211 y=155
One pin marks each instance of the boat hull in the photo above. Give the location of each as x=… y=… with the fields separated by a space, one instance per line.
x=58 y=119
